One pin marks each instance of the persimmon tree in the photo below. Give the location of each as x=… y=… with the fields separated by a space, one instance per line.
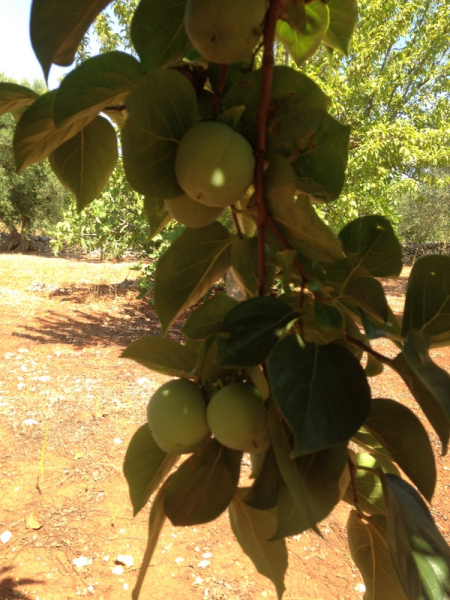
x=284 y=372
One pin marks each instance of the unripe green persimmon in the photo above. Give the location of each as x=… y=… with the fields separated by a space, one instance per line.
x=191 y=213
x=214 y=164
x=225 y=31
x=176 y=416
x=237 y=418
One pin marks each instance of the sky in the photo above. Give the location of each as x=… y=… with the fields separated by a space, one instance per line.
x=17 y=58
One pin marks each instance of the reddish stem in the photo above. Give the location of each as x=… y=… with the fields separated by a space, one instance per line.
x=383 y=359
x=218 y=92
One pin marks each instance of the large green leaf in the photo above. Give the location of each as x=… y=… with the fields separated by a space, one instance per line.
x=370 y=552
x=427 y=305
x=321 y=391
x=244 y=265
x=419 y=553
x=162 y=355
x=57 y=28
x=36 y=135
x=203 y=486
x=343 y=17
x=321 y=165
x=193 y=263
x=252 y=529
x=252 y=329
x=370 y=243
x=296 y=217
x=99 y=82
x=162 y=108
x=369 y=488
x=158 y=33
x=145 y=467
x=157 y=216
x=85 y=162
x=404 y=436
x=428 y=397
x=302 y=45
x=263 y=495
x=367 y=294
x=296 y=111
x=207 y=319
x=14 y=97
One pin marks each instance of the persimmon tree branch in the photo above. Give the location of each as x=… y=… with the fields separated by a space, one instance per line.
x=383 y=359
x=261 y=124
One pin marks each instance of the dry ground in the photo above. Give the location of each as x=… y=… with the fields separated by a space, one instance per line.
x=68 y=407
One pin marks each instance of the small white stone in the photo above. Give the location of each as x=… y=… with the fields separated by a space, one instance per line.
x=179 y=560
x=44 y=378
x=106 y=558
x=360 y=587
x=198 y=581
x=203 y=564
x=80 y=562
x=207 y=555
x=30 y=422
x=124 y=559
x=117 y=441
x=117 y=570
x=125 y=586
x=5 y=537
x=142 y=381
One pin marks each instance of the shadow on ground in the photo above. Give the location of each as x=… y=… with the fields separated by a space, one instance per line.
x=9 y=586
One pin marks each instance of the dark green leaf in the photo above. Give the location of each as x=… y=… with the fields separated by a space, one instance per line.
x=368 y=485
x=370 y=552
x=102 y=81
x=244 y=265
x=162 y=107
x=155 y=525
x=404 y=436
x=203 y=486
x=373 y=367
x=193 y=263
x=296 y=110
x=321 y=165
x=207 y=319
x=263 y=494
x=162 y=355
x=302 y=45
x=158 y=33
x=84 y=163
x=419 y=553
x=57 y=28
x=427 y=305
x=328 y=316
x=145 y=467
x=321 y=391
x=36 y=135
x=296 y=216
x=368 y=294
x=368 y=442
x=343 y=17
x=253 y=328
x=157 y=216
x=370 y=243
x=14 y=96
x=294 y=13
x=252 y=529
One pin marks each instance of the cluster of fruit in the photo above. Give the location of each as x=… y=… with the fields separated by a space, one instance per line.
x=181 y=420
x=215 y=164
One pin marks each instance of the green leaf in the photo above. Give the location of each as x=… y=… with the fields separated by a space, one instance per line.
x=263 y=495
x=203 y=486
x=370 y=552
x=162 y=355
x=428 y=397
x=157 y=216
x=252 y=529
x=102 y=81
x=57 y=28
x=155 y=525
x=296 y=217
x=302 y=45
x=145 y=467
x=321 y=391
x=186 y=271
x=373 y=367
x=207 y=319
x=244 y=265
x=294 y=13
x=404 y=436
x=419 y=553
x=368 y=484
x=295 y=113
x=368 y=294
x=319 y=475
x=158 y=33
x=321 y=165
x=253 y=329
x=328 y=316
x=162 y=107
x=14 y=97
x=427 y=304
x=85 y=162
x=36 y=135
x=343 y=17
x=370 y=243
x=368 y=442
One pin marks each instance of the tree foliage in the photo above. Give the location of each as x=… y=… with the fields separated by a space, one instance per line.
x=311 y=300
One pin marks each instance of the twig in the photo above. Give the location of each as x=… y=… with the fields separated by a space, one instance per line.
x=369 y=350
x=236 y=222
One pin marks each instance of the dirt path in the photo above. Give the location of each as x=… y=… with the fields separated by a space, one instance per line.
x=68 y=407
